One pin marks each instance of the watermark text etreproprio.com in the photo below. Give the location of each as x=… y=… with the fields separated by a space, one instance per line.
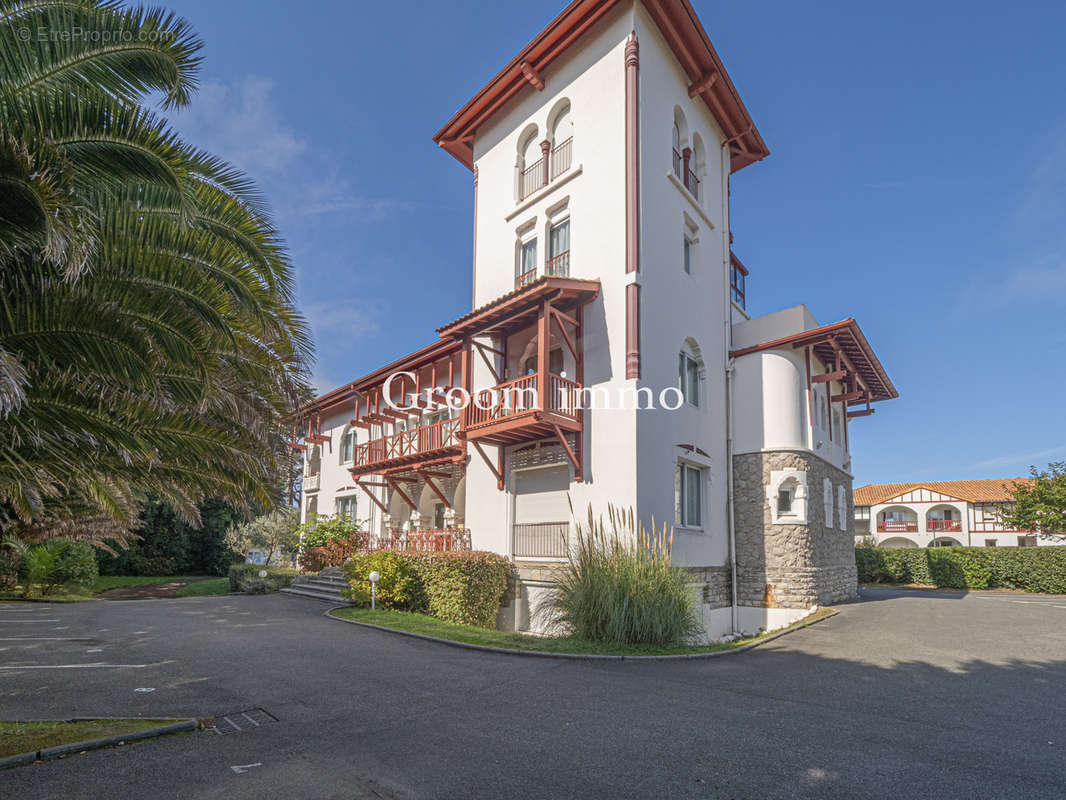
x=93 y=35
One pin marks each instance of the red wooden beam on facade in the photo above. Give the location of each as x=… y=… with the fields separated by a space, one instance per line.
x=401 y=493
x=370 y=494
x=828 y=377
x=578 y=477
x=488 y=461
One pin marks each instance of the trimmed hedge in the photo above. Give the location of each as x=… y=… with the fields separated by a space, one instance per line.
x=462 y=587
x=1031 y=569
x=245 y=578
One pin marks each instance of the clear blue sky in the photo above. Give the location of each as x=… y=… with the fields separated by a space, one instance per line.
x=916 y=181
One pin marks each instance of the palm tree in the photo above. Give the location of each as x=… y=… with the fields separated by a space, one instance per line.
x=149 y=341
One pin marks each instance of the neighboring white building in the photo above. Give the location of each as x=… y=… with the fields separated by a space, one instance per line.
x=603 y=274
x=940 y=514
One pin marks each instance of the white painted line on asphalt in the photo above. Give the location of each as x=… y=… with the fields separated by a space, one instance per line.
x=245 y=767
x=95 y=650
x=145 y=689
x=249 y=719
x=31 y=621
x=46 y=639
x=79 y=666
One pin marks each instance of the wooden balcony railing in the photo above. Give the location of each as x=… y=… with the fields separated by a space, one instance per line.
x=561 y=157
x=507 y=399
x=541 y=539
x=520 y=396
x=558 y=266
x=531 y=179
x=937 y=525
x=891 y=526
x=423 y=439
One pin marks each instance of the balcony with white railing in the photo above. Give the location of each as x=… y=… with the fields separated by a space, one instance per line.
x=541 y=539
x=312 y=481
x=407 y=448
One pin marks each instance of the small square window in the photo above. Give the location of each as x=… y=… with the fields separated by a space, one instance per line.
x=784 y=501
x=990 y=542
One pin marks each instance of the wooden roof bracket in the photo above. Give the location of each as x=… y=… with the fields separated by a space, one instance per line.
x=429 y=482
x=370 y=494
x=574 y=460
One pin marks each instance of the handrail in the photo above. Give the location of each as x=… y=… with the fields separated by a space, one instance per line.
x=558 y=266
x=507 y=399
x=561 y=156
x=531 y=179
x=423 y=439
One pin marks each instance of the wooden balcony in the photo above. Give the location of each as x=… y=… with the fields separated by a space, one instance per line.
x=515 y=411
x=891 y=526
x=938 y=525
x=408 y=448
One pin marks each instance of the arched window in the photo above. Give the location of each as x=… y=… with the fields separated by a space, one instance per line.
x=697 y=166
x=562 y=139
x=690 y=372
x=787 y=497
x=680 y=141
x=530 y=165
x=347 y=448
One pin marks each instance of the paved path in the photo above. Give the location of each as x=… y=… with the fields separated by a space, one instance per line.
x=907 y=694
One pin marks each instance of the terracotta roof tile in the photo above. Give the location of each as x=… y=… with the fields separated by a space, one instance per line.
x=986 y=490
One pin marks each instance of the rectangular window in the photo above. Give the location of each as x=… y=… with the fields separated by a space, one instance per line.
x=688 y=379
x=688 y=255
x=347 y=447
x=689 y=499
x=784 y=501
x=737 y=286
x=345 y=507
x=526 y=271
x=559 y=250
x=990 y=542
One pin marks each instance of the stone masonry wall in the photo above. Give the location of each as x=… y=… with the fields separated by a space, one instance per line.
x=791 y=566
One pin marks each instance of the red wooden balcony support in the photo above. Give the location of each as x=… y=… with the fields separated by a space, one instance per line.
x=392 y=481
x=433 y=487
x=366 y=488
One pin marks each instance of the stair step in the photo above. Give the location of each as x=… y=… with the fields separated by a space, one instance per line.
x=327 y=585
x=317 y=595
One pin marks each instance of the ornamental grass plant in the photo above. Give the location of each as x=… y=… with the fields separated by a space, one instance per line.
x=619 y=586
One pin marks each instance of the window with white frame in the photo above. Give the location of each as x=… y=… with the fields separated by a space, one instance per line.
x=827 y=500
x=345 y=507
x=787 y=496
x=842 y=508
x=688 y=253
x=526 y=268
x=348 y=446
x=558 y=264
x=688 y=378
x=688 y=496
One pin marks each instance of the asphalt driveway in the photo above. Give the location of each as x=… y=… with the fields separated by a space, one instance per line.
x=905 y=694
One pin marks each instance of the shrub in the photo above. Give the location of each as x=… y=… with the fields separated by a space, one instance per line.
x=619 y=586
x=245 y=578
x=327 y=541
x=275 y=533
x=463 y=587
x=399 y=584
x=1031 y=569
x=74 y=564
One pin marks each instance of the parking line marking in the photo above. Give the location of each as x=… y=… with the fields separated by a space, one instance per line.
x=46 y=639
x=79 y=666
x=245 y=767
x=250 y=719
x=31 y=621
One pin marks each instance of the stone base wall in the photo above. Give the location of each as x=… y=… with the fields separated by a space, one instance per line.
x=792 y=565
x=717 y=592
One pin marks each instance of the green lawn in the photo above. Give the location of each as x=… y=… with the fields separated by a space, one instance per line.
x=429 y=626
x=28 y=737
x=105 y=582
x=205 y=587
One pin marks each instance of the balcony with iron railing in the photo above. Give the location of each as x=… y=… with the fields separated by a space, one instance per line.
x=683 y=172
x=541 y=539
x=405 y=448
x=546 y=168
x=558 y=266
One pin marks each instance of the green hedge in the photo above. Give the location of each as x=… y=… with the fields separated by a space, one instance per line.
x=245 y=578
x=1031 y=569
x=463 y=587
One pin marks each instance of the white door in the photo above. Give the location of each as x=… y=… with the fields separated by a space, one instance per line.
x=541 y=512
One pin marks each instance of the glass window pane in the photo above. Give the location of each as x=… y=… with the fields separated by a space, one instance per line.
x=692 y=497
x=559 y=239
x=693 y=382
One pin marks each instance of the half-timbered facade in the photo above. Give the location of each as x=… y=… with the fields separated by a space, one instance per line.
x=610 y=356
x=940 y=514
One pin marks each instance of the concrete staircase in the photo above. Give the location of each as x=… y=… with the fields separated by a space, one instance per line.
x=326 y=585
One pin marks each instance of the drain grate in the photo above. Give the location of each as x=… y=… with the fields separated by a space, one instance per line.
x=238 y=721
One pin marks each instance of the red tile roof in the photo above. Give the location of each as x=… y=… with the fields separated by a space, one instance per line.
x=987 y=490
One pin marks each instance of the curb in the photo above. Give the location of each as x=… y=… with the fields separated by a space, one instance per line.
x=50 y=753
x=583 y=656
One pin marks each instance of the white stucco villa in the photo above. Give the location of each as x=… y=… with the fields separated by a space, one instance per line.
x=602 y=155
x=940 y=514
